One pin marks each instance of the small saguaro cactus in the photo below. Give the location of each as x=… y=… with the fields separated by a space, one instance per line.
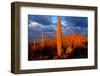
x=34 y=43
x=43 y=40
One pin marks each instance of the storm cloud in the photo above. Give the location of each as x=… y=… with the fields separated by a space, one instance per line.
x=48 y=24
x=44 y=20
x=76 y=21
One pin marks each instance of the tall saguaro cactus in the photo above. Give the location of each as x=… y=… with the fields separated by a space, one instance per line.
x=59 y=37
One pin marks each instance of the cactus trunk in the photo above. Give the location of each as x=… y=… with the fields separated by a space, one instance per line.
x=59 y=38
x=43 y=40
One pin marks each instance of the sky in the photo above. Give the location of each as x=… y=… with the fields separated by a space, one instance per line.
x=48 y=24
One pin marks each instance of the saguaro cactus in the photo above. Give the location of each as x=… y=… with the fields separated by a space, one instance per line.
x=43 y=40
x=59 y=37
x=34 y=43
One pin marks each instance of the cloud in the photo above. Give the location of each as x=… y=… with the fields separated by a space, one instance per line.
x=41 y=28
x=36 y=29
x=74 y=30
x=44 y=20
x=48 y=24
x=33 y=24
x=74 y=25
x=76 y=21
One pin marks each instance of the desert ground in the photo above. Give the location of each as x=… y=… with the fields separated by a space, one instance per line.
x=74 y=46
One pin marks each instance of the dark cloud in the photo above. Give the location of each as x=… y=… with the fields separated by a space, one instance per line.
x=44 y=20
x=75 y=30
x=48 y=24
x=48 y=29
x=74 y=25
x=76 y=21
x=36 y=32
x=34 y=35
